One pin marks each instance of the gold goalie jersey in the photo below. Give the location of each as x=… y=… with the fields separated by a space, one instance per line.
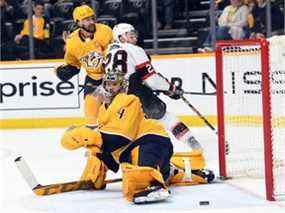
x=88 y=53
x=124 y=122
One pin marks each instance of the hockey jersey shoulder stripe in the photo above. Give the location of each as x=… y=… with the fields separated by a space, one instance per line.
x=144 y=77
x=139 y=66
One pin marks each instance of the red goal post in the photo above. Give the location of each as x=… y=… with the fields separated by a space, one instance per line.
x=249 y=100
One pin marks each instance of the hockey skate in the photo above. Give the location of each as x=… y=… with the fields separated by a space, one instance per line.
x=205 y=173
x=152 y=194
x=179 y=176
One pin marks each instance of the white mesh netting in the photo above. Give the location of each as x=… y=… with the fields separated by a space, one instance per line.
x=243 y=111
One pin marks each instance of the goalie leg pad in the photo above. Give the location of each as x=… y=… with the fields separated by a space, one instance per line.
x=95 y=170
x=138 y=178
x=195 y=158
x=183 y=165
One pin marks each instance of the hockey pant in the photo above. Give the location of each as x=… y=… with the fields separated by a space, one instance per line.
x=152 y=106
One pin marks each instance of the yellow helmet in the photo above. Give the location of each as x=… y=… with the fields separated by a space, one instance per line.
x=82 y=12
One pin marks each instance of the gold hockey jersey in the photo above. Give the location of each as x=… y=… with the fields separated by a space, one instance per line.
x=124 y=122
x=125 y=117
x=88 y=53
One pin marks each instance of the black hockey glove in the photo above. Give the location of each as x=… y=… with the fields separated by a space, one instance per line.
x=174 y=92
x=66 y=72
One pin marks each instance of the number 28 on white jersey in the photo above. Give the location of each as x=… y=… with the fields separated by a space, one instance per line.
x=128 y=58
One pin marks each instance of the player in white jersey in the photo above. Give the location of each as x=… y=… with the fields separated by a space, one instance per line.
x=125 y=55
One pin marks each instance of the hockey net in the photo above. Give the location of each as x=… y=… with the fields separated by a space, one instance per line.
x=250 y=78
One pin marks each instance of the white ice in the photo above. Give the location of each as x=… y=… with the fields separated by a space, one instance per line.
x=52 y=164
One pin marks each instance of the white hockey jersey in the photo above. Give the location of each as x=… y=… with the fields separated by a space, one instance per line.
x=131 y=58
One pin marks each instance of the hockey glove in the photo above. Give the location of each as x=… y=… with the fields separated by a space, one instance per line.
x=66 y=72
x=174 y=92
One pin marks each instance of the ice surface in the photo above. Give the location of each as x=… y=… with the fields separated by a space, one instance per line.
x=51 y=164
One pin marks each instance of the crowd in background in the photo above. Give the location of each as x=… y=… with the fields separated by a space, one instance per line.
x=236 y=19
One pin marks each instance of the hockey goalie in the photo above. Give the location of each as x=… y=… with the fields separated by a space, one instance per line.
x=140 y=147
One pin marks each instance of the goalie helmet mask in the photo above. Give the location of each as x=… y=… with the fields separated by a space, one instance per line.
x=114 y=82
x=124 y=32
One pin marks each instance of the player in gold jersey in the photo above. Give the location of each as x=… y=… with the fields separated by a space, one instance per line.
x=127 y=138
x=141 y=146
x=85 y=48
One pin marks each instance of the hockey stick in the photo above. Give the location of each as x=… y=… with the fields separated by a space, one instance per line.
x=199 y=93
x=193 y=108
x=187 y=92
x=204 y=119
x=199 y=114
x=56 y=188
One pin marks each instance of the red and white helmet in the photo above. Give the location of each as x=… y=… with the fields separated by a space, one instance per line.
x=121 y=29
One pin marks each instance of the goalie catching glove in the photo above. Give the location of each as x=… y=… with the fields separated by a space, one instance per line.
x=76 y=137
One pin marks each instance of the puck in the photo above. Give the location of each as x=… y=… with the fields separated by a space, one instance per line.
x=204 y=203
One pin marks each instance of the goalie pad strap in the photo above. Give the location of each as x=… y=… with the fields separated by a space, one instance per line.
x=183 y=163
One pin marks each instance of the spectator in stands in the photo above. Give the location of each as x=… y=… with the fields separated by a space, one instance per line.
x=221 y=4
x=250 y=4
x=41 y=34
x=6 y=18
x=6 y=15
x=18 y=11
x=166 y=13
x=232 y=24
x=259 y=15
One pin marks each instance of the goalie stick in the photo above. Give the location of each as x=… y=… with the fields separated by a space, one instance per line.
x=56 y=188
